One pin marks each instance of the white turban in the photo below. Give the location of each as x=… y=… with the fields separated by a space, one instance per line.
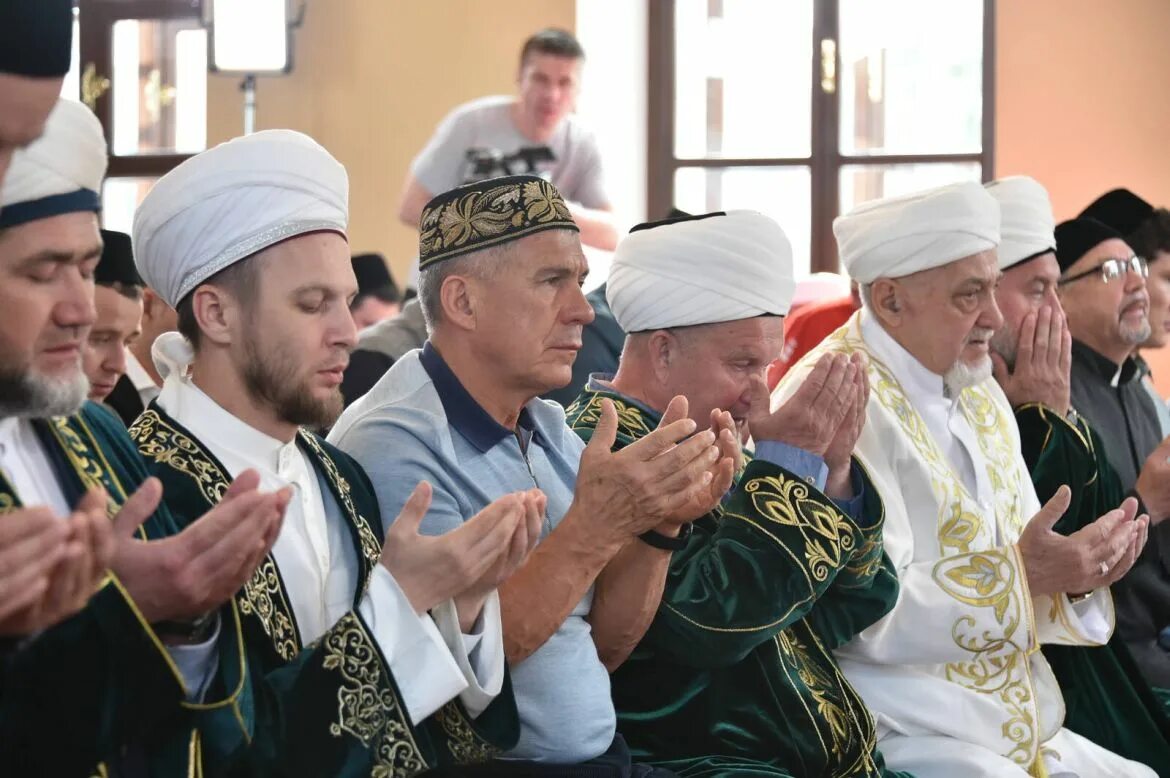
x=1027 y=227
x=701 y=271
x=232 y=201
x=903 y=235
x=60 y=172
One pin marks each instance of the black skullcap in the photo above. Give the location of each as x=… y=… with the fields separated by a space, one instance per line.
x=675 y=217
x=117 y=263
x=373 y=278
x=489 y=213
x=1077 y=237
x=36 y=37
x=1120 y=209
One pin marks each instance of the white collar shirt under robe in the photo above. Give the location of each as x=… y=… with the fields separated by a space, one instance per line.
x=431 y=661
x=958 y=655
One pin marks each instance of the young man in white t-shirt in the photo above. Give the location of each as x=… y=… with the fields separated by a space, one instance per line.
x=502 y=135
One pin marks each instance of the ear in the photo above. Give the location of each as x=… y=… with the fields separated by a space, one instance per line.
x=662 y=348
x=458 y=298
x=216 y=313
x=888 y=301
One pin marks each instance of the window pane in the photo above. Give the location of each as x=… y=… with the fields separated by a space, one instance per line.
x=862 y=183
x=900 y=56
x=120 y=198
x=743 y=78
x=159 y=86
x=780 y=192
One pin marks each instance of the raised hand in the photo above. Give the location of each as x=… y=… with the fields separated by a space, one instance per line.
x=470 y=560
x=811 y=417
x=665 y=477
x=1153 y=482
x=1043 y=362
x=184 y=576
x=1094 y=556
x=839 y=454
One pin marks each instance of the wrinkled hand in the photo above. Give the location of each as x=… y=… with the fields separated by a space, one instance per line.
x=49 y=568
x=1094 y=556
x=1153 y=483
x=1043 y=362
x=184 y=576
x=811 y=417
x=665 y=477
x=433 y=569
x=839 y=454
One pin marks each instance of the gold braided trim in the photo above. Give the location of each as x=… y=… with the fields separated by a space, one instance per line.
x=367 y=708
x=370 y=545
x=465 y=746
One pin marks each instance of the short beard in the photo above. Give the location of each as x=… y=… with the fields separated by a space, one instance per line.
x=963 y=376
x=1134 y=335
x=273 y=380
x=29 y=396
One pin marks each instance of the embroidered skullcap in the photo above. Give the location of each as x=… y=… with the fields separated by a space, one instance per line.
x=1026 y=222
x=898 y=236
x=489 y=213
x=706 y=269
x=60 y=172
x=232 y=201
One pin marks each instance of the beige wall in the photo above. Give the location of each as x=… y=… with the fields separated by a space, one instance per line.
x=371 y=80
x=1081 y=102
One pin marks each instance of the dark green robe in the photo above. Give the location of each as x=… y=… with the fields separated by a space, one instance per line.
x=1107 y=699
x=736 y=676
x=331 y=708
x=100 y=687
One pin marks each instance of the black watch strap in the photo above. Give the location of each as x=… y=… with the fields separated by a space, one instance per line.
x=195 y=631
x=665 y=542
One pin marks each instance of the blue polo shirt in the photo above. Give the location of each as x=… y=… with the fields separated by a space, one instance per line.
x=419 y=423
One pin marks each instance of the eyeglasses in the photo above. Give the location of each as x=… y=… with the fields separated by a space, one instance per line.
x=1113 y=269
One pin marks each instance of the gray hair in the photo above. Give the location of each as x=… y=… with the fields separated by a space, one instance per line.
x=482 y=265
x=865 y=292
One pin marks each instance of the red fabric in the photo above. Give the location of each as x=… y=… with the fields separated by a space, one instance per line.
x=805 y=329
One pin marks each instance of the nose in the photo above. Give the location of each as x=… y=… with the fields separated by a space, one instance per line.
x=115 y=361
x=75 y=308
x=1134 y=280
x=991 y=317
x=345 y=330
x=579 y=310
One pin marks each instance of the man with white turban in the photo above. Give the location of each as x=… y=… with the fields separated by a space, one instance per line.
x=500 y=286
x=789 y=564
x=107 y=684
x=952 y=672
x=1106 y=698
x=377 y=652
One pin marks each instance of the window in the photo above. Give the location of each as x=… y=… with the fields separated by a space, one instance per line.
x=804 y=108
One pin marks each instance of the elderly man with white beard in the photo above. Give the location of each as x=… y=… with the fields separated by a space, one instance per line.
x=952 y=672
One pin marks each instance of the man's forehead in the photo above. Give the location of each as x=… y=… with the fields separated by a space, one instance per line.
x=69 y=235
x=551 y=249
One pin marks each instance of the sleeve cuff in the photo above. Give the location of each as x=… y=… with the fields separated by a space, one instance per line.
x=803 y=464
x=197 y=663
x=853 y=507
x=480 y=656
x=426 y=673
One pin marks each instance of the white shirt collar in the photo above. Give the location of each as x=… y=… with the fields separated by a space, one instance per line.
x=137 y=373
x=918 y=381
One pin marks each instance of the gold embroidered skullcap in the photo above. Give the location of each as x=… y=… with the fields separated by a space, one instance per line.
x=489 y=213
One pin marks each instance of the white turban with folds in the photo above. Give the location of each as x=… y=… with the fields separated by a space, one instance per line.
x=60 y=172
x=701 y=271
x=1027 y=227
x=232 y=201
x=902 y=235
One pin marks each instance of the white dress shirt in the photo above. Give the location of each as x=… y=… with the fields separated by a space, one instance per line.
x=143 y=384
x=431 y=660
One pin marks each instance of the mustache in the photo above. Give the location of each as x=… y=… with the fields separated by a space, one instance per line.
x=1134 y=297
x=980 y=334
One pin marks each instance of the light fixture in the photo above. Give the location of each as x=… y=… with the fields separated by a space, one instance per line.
x=250 y=37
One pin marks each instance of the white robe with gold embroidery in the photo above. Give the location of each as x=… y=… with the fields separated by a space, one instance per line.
x=958 y=658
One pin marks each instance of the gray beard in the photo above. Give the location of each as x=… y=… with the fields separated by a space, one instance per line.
x=29 y=396
x=1135 y=336
x=962 y=376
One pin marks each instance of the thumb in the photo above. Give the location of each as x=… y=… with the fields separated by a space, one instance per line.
x=411 y=516
x=141 y=506
x=247 y=481
x=1053 y=509
x=93 y=501
x=605 y=433
x=999 y=368
x=675 y=410
x=759 y=398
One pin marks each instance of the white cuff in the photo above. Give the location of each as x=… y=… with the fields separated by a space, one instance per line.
x=480 y=655
x=1094 y=617
x=197 y=663
x=426 y=673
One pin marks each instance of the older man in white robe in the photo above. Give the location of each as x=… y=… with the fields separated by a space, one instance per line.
x=953 y=672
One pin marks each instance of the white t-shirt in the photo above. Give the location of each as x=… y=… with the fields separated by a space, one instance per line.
x=485 y=125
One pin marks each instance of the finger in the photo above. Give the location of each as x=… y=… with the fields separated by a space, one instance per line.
x=1043 y=333
x=480 y=527
x=697 y=472
x=660 y=440
x=415 y=509
x=138 y=508
x=811 y=387
x=605 y=433
x=694 y=447
x=247 y=481
x=39 y=549
x=1047 y=517
x=840 y=374
x=20 y=593
x=1065 y=347
x=227 y=519
x=1055 y=338
x=676 y=410
x=999 y=368
x=723 y=477
x=1027 y=340
x=536 y=519
x=1129 y=508
x=760 y=400
x=93 y=501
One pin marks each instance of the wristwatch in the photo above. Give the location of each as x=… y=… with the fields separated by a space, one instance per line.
x=197 y=630
x=665 y=542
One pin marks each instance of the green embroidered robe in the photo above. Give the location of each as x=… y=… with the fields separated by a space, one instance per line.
x=98 y=693
x=736 y=675
x=1107 y=699
x=333 y=707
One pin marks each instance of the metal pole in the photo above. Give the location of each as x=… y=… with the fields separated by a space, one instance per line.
x=248 y=86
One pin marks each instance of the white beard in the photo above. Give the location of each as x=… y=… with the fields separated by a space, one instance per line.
x=45 y=397
x=961 y=375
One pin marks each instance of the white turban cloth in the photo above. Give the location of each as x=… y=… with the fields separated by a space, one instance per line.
x=60 y=172
x=898 y=236
x=701 y=271
x=1027 y=227
x=234 y=200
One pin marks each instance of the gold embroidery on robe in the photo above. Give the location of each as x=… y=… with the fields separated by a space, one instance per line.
x=371 y=546
x=465 y=746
